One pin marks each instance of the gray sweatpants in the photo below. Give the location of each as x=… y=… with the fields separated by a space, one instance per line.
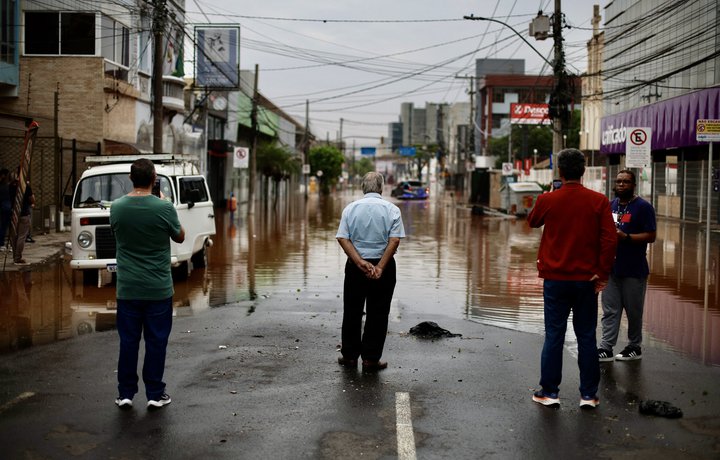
x=622 y=293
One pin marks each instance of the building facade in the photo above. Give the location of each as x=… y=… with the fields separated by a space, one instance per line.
x=661 y=70
x=501 y=82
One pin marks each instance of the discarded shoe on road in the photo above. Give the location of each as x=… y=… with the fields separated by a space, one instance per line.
x=660 y=408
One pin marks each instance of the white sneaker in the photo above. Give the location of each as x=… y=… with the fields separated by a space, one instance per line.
x=123 y=403
x=158 y=403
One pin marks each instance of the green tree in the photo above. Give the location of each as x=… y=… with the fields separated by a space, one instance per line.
x=277 y=164
x=329 y=160
x=423 y=155
x=361 y=167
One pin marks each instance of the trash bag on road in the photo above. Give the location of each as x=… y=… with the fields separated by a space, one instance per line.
x=431 y=330
x=660 y=408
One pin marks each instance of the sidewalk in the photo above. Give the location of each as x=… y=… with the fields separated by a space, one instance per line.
x=47 y=246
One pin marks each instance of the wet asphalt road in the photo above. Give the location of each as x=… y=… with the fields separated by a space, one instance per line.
x=276 y=391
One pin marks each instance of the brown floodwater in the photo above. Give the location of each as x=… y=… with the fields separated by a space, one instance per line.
x=452 y=263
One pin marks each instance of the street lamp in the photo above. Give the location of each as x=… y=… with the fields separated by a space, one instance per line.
x=534 y=157
x=472 y=17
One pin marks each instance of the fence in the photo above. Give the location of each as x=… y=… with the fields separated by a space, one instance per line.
x=50 y=179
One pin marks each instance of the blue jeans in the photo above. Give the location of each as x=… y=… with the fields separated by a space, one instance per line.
x=561 y=297
x=153 y=320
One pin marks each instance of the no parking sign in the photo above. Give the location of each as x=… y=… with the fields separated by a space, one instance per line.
x=241 y=157
x=637 y=147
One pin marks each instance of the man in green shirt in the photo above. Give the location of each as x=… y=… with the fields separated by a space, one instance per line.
x=143 y=225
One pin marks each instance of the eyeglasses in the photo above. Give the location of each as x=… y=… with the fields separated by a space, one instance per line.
x=623 y=181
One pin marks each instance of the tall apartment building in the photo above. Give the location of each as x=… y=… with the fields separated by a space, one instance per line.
x=661 y=70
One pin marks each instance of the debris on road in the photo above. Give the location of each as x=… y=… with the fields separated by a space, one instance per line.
x=431 y=330
x=660 y=408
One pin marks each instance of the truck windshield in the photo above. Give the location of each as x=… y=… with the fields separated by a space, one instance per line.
x=102 y=190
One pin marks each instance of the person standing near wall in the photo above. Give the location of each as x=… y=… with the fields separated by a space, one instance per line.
x=636 y=227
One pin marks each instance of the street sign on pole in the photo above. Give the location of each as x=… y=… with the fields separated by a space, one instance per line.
x=241 y=157
x=708 y=131
x=637 y=148
x=507 y=169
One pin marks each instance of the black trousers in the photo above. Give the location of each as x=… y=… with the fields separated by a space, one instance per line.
x=374 y=297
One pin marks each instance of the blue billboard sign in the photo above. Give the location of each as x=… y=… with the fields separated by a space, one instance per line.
x=407 y=151
x=367 y=150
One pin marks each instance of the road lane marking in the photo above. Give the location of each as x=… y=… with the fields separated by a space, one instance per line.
x=19 y=398
x=405 y=436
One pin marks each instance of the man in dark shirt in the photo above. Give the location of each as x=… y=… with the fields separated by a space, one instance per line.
x=636 y=227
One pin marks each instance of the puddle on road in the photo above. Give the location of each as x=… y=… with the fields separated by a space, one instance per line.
x=452 y=263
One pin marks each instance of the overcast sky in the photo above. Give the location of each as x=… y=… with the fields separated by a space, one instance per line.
x=360 y=59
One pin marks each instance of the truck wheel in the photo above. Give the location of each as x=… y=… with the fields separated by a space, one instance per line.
x=90 y=277
x=180 y=273
x=199 y=259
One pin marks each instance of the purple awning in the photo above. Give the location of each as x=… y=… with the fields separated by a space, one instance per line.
x=672 y=121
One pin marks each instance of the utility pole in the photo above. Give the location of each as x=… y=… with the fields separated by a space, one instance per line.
x=342 y=146
x=470 y=138
x=253 y=151
x=559 y=98
x=306 y=147
x=159 y=18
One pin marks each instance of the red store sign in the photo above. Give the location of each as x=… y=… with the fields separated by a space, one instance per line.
x=529 y=114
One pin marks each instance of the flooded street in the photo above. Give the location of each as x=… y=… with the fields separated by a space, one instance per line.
x=452 y=263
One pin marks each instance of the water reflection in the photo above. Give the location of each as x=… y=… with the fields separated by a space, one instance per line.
x=453 y=263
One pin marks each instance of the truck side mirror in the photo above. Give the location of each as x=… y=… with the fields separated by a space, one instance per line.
x=67 y=200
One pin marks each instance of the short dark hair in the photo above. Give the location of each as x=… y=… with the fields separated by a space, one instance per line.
x=628 y=172
x=571 y=163
x=142 y=172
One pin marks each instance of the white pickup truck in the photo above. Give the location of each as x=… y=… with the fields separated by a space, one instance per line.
x=93 y=242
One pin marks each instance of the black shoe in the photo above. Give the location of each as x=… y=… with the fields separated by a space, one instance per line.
x=347 y=362
x=630 y=353
x=163 y=400
x=372 y=366
x=605 y=355
x=123 y=403
x=29 y=239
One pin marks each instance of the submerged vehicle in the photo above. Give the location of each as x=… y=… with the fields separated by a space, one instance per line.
x=411 y=190
x=179 y=181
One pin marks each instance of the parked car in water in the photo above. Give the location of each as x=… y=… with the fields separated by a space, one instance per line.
x=411 y=190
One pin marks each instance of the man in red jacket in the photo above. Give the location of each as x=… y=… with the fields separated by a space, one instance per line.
x=576 y=254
